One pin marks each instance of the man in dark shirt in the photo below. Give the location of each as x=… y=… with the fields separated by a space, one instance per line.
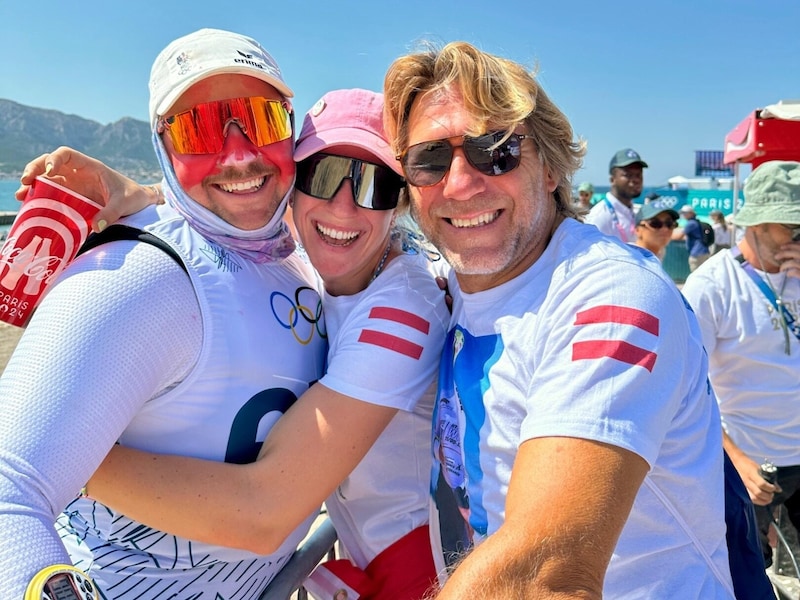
x=692 y=234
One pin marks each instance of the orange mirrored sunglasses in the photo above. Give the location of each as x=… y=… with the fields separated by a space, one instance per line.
x=202 y=128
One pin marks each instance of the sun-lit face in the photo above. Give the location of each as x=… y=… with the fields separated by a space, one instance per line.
x=767 y=240
x=655 y=233
x=627 y=182
x=344 y=241
x=489 y=228
x=243 y=183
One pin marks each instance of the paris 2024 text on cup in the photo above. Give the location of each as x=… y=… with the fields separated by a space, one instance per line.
x=50 y=227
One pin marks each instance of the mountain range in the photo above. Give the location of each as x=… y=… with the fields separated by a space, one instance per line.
x=26 y=132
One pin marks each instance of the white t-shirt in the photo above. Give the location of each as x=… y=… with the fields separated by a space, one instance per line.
x=617 y=220
x=128 y=346
x=722 y=234
x=385 y=345
x=756 y=382
x=593 y=341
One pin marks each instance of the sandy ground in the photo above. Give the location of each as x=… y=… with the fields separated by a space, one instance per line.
x=9 y=336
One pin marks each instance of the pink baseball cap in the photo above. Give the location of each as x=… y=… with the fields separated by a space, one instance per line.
x=347 y=122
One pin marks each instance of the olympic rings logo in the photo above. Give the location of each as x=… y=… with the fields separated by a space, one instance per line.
x=304 y=313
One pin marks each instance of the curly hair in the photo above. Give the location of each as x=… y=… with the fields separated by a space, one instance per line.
x=498 y=93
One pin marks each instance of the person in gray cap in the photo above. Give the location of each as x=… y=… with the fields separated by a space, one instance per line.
x=746 y=299
x=585 y=193
x=655 y=222
x=614 y=214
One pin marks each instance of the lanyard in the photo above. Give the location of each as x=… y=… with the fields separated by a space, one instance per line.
x=623 y=235
x=788 y=319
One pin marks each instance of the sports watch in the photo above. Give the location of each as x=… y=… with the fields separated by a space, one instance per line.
x=61 y=582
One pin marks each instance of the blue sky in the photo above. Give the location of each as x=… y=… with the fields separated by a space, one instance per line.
x=665 y=78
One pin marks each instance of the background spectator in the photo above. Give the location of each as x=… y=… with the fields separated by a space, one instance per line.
x=613 y=215
x=655 y=223
x=692 y=234
x=585 y=193
x=723 y=232
x=746 y=300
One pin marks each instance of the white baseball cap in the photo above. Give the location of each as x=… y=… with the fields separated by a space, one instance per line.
x=204 y=53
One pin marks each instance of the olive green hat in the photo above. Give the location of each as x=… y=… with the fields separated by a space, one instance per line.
x=771 y=195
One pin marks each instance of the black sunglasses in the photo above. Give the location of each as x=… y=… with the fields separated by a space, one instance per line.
x=494 y=153
x=658 y=224
x=374 y=186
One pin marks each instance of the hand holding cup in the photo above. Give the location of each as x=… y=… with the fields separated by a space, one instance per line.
x=116 y=194
x=46 y=235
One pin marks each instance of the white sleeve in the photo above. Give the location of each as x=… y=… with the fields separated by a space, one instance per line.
x=700 y=292
x=600 y=217
x=120 y=326
x=630 y=400
x=388 y=349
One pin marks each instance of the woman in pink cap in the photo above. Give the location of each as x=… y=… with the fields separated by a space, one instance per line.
x=360 y=438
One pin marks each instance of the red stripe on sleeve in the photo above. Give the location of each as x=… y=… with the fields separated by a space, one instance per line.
x=618 y=314
x=619 y=350
x=400 y=316
x=391 y=342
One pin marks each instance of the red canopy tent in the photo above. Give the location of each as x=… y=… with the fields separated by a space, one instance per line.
x=770 y=133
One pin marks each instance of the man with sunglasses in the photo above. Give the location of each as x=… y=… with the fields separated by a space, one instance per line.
x=614 y=214
x=747 y=300
x=192 y=343
x=583 y=441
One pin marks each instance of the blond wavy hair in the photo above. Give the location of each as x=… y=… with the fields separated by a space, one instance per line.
x=497 y=92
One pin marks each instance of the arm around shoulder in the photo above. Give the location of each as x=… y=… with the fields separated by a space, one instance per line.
x=308 y=452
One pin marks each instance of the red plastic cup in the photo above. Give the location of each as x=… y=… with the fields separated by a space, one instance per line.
x=50 y=227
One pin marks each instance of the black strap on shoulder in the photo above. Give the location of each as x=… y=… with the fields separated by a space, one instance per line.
x=125 y=232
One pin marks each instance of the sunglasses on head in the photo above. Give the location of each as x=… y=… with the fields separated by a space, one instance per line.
x=795 y=229
x=494 y=153
x=374 y=186
x=202 y=129
x=658 y=223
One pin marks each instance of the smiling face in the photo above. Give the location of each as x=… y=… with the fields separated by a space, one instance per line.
x=344 y=241
x=489 y=228
x=243 y=183
x=652 y=238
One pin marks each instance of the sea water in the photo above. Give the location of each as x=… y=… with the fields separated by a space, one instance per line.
x=7 y=200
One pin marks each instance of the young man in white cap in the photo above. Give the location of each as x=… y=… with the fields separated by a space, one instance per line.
x=614 y=214
x=747 y=300
x=195 y=350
